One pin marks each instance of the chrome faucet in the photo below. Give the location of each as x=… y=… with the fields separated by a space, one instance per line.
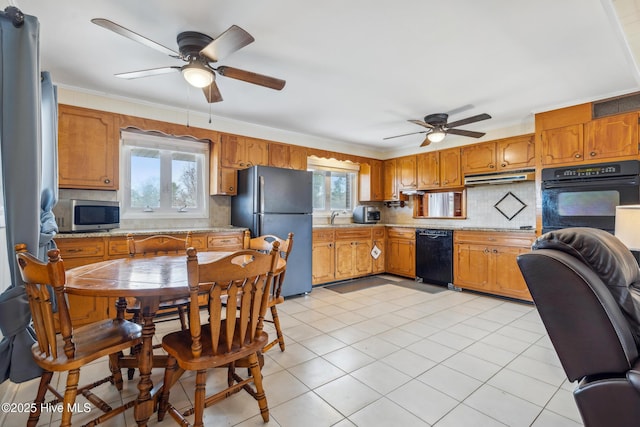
x=334 y=214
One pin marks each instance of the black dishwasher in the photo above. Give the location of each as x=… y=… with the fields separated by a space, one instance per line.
x=434 y=256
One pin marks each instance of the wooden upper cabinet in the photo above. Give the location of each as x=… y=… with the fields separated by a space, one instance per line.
x=439 y=169
x=513 y=153
x=87 y=149
x=428 y=170
x=479 y=158
x=450 y=171
x=517 y=152
x=242 y=152
x=371 y=181
x=390 y=185
x=613 y=136
x=406 y=173
x=287 y=156
x=562 y=145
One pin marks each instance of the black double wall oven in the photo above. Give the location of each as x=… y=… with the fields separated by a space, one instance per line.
x=587 y=196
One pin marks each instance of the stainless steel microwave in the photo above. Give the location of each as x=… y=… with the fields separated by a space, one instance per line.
x=73 y=215
x=363 y=214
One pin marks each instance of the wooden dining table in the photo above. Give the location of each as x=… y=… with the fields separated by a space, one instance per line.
x=151 y=280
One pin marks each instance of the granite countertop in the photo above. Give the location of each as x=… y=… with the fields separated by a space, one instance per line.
x=431 y=227
x=118 y=232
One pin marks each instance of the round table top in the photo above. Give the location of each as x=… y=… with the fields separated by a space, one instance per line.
x=164 y=276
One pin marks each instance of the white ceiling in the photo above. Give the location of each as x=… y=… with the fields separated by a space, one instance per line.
x=357 y=70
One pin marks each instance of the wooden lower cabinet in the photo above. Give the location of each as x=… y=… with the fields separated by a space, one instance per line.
x=342 y=253
x=323 y=258
x=77 y=251
x=353 y=253
x=486 y=262
x=378 y=235
x=401 y=251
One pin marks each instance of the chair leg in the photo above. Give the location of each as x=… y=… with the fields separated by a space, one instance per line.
x=254 y=366
x=114 y=366
x=39 y=401
x=133 y=352
x=198 y=404
x=276 y=323
x=170 y=377
x=182 y=315
x=73 y=376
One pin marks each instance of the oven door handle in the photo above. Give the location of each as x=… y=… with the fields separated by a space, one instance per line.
x=597 y=182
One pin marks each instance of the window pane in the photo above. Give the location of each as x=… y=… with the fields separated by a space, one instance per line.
x=184 y=181
x=145 y=178
x=339 y=193
x=319 y=191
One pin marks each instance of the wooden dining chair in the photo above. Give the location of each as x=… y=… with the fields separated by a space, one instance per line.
x=263 y=244
x=152 y=246
x=73 y=348
x=234 y=332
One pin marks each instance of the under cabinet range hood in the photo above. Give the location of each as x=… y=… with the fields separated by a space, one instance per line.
x=499 y=178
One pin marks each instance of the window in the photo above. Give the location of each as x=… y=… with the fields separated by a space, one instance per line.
x=334 y=185
x=164 y=177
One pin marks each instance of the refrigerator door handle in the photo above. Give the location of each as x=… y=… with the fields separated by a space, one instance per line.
x=260 y=225
x=261 y=193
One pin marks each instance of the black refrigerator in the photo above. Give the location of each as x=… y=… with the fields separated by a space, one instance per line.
x=279 y=201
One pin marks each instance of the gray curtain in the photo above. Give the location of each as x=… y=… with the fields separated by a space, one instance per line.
x=20 y=149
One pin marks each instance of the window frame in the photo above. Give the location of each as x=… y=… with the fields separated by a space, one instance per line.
x=167 y=145
x=332 y=165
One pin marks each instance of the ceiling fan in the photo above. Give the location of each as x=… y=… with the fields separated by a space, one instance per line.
x=199 y=51
x=438 y=128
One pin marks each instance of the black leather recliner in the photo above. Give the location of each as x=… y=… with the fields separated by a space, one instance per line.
x=586 y=286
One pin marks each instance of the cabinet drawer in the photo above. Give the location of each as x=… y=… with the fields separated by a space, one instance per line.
x=118 y=246
x=494 y=238
x=401 y=233
x=79 y=248
x=225 y=241
x=353 y=234
x=377 y=233
x=199 y=241
x=323 y=235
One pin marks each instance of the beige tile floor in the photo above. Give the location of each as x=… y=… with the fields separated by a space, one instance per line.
x=384 y=356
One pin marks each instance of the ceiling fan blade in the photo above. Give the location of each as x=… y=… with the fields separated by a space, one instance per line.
x=212 y=93
x=228 y=42
x=468 y=120
x=249 y=77
x=463 y=132
x=405 y=134
x=421 y=123
x=147 y=73
x=426 y=142
x=119 y=29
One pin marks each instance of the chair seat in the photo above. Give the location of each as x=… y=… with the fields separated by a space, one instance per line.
x=178 y=345
x=92 y=342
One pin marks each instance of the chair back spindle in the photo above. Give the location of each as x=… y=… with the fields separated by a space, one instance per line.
x=37 y=275
x=245 y=277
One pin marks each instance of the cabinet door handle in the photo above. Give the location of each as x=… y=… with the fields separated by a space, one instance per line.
x=495 y=251
x=593 y=153
x=578 y=155
x=503 y=165
x=486 y=250
x=492 y=166
x=107 y=181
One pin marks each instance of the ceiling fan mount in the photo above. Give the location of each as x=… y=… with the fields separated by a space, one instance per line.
x=438 y=127
x=199 y=51
x=439 y=119
x=190 y=43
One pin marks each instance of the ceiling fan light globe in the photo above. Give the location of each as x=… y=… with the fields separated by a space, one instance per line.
x=436 y=136
x=197 y=75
